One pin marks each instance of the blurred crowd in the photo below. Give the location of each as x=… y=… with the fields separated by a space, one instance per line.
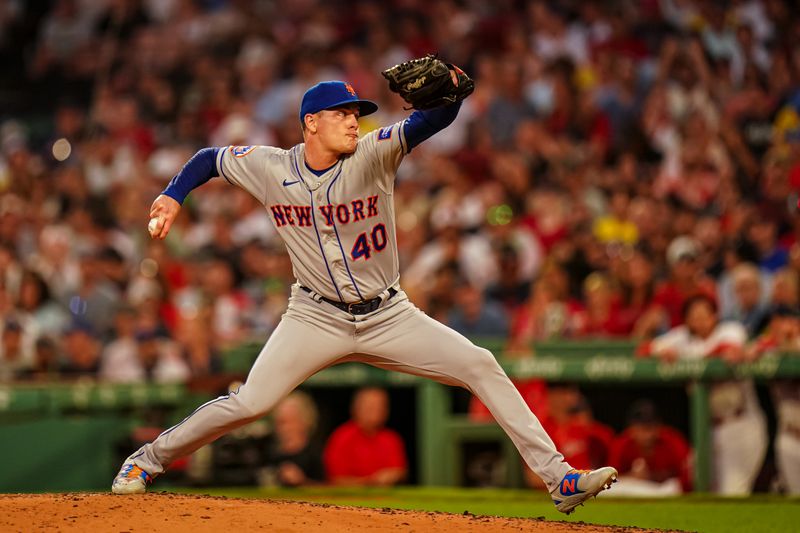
x=617 y=161
x=614 y=161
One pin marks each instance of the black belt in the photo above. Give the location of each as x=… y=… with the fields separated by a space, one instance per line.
x=356 y=308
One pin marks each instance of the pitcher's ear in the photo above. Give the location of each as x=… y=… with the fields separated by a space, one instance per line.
x=310 y=122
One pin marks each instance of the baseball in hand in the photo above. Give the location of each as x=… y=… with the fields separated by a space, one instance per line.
x=153 y=225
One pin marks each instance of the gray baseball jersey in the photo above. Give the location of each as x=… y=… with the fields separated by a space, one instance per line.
x=338 y=227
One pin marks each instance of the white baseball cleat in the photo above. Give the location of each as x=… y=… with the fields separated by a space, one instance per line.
x=131 y=480
x=580 y=485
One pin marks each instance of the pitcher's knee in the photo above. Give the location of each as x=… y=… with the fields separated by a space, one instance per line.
x=481 y=363
x=249 y=409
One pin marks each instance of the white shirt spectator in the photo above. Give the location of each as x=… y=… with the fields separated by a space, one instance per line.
x=121 y=363
x=688 y=346
x=740 y=432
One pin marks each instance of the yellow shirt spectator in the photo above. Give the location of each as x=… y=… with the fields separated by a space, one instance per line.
x=611 y=229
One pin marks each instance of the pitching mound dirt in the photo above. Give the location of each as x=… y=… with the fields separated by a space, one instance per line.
x=197 y=514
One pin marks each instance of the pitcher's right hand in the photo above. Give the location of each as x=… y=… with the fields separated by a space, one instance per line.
x=162 y=214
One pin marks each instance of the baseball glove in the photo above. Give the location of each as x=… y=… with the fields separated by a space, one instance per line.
x=426 y=82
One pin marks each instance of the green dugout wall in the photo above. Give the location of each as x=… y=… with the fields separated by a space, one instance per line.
x=62 y=437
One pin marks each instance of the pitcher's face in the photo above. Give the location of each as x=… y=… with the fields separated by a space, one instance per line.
x=338 y=128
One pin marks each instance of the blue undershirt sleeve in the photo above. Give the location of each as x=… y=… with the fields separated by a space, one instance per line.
x=198 y=170
x=422 y=125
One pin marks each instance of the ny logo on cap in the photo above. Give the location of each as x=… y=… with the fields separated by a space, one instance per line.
x=350 y=89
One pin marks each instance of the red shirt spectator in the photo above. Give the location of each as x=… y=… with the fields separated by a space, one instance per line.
x=686 y=279
x=584 y=442
x=650 y=450
x=670 y=297
x=548 y=313
x=362 y=451
x=602 y=316
x=351 y=452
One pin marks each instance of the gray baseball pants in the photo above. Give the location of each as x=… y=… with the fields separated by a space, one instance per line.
x=313 y=335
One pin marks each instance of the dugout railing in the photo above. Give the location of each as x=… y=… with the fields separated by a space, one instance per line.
x=440 y=432
x=61 y=436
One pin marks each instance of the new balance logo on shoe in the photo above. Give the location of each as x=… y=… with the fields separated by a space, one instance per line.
x=580 y=485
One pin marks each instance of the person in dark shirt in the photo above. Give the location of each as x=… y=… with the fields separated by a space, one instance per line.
x=475 y=316
x=45 y=362
x=81 y=352
x=294 y=457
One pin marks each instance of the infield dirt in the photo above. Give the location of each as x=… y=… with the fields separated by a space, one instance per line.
x=197 y=514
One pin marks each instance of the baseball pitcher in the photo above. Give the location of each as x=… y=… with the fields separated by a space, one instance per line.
x=330 y=198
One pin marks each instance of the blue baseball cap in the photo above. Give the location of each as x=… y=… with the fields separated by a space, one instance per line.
x=330 y=94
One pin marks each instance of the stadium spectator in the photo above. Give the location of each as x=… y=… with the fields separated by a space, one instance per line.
x=364 y=451
x=740 y=257
x=229 y=305
x=568 y=419
x=652 y=459
x=195 y=339
x=294 y=457
x=602 y=315
x=160 y=359
x=740 y=432
x=749 y=306
x=637 y=280
x=81 y=352
x=549 y=312
x=782 y=334
x=119 y=362
x=511 y=289
x=45 y=363
x=763 y=234
x=473 y=316
x=46 y=317
x=97 y=299
x=785 y=289
x=13 y=359
x=686 y=280
x=615 y=227
x=53 y=258
x=439 y=294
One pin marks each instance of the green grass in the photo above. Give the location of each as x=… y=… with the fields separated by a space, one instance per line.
x=690 y=513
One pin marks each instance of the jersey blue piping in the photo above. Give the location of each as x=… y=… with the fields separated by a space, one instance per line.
x=227 y=396
x=319 y=173
x=400 y=133
x=314 y=220
x=219 y=164
x=344 y=257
